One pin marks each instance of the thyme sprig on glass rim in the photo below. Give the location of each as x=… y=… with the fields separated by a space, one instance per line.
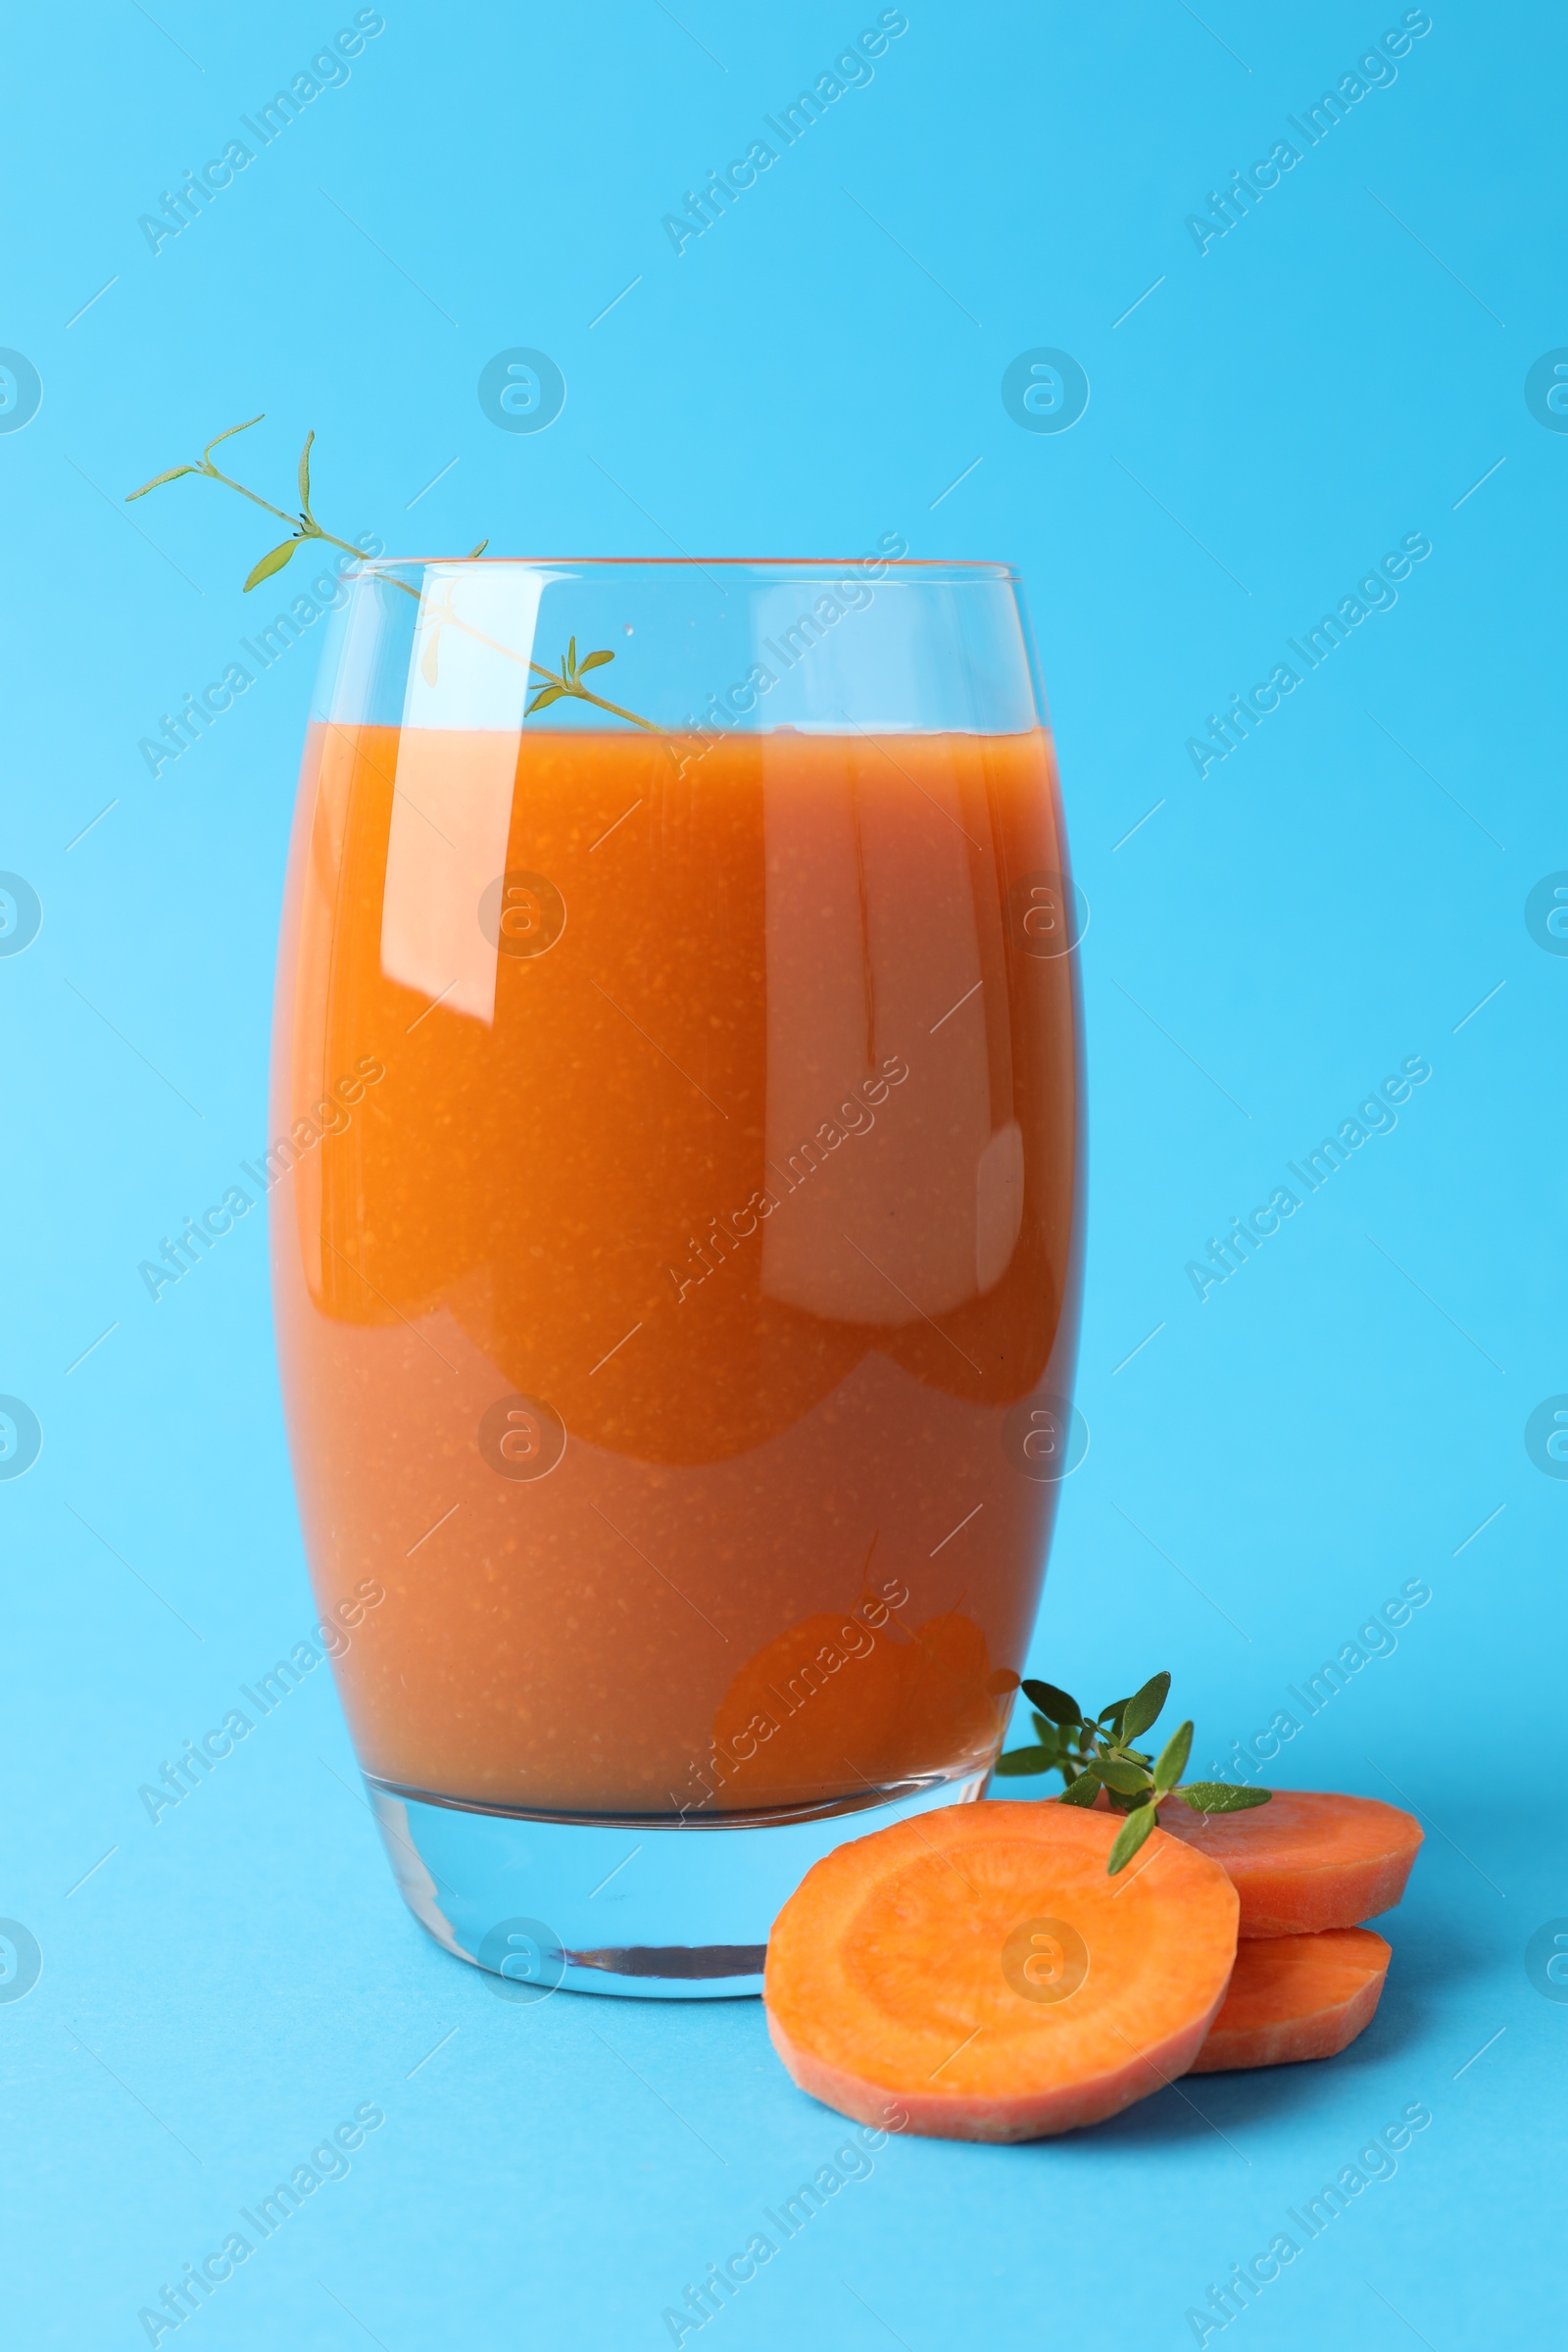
x=566 y=681
x=1094 y=1752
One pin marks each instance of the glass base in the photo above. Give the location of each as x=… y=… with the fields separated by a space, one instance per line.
x=650 y=1908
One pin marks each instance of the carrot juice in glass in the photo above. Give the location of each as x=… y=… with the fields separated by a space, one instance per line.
x=677 y=1278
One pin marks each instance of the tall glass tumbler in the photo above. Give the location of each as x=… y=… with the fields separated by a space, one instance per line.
x=675 y=1205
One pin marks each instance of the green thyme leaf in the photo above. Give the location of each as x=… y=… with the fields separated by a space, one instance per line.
x=476 y=551
x=273 y=561
x=595 y=662
x=1098 y=1754
x=1020 y=1761
x=1081 y=1792
x=1052 y=1702
x=232 y=430
x=1219 y=1796
x=172 y=475
x=305 y=472
x=1129 y=1838
x=545 y=695
x=1144 y=1707
x=572 y=657
x=1173 y=1759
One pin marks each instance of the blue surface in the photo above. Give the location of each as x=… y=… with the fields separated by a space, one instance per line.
x=1347 y=888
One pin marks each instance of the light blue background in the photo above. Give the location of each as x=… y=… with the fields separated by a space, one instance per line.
x=1337 y=1419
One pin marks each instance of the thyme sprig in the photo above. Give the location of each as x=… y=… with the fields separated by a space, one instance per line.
x=567 y=680
x=1097 y=1752
x=303 y=525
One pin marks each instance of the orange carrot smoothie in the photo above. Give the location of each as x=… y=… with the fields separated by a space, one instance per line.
x=666 y=1330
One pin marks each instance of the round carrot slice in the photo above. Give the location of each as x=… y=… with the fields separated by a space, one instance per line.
x=977 y=1969
x=829 y=1705
x=811 y=1713
x=1308 y=1860
x=1295 y=1996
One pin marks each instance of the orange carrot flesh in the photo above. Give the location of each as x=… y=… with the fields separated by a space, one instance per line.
x=828 y=1702
x=976 y=1974
x=1295 y=1996
x=805 y=1712
x=1308 y=1860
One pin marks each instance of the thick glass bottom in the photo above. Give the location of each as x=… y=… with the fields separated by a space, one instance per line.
x=650 y=1908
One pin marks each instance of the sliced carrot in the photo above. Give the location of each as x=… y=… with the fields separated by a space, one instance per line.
x=979 y=1970
x=1308 y=1860
x=1293 y=1998
x=814 y=1710
x=950 y=1709
x=829 y=1705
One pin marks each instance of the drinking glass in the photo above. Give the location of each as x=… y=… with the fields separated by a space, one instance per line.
x=675 y=1207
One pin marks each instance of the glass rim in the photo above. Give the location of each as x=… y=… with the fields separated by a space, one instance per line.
x=975 y=568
